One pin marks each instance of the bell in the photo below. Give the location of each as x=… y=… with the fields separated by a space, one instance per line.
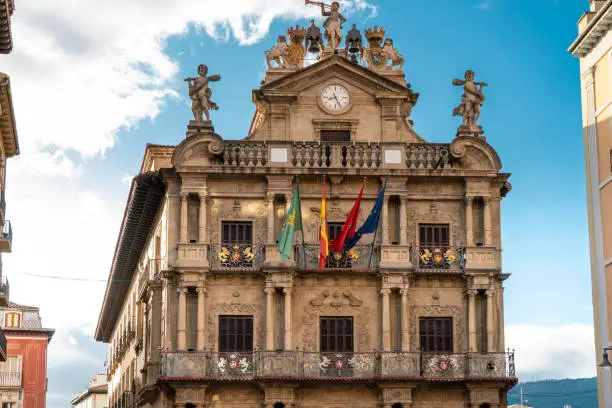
x=314 y=46
x=605 y=362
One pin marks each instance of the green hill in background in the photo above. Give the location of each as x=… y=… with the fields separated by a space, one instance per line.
x=578 y=393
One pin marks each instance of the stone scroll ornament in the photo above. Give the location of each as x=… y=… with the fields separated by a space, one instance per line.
x=200 y=93
x=471 y=101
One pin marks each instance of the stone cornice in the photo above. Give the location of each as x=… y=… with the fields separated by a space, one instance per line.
x=593 y=33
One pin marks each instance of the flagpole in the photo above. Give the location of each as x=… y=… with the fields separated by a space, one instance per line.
x=377 y=224
x=297 y=182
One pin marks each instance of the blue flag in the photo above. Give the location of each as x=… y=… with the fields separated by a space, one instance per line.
x=371 y=223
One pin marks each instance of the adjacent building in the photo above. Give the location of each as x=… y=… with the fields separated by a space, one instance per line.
x=23 y=376
x=95 y=396
x=201 y=311
x=593 y=48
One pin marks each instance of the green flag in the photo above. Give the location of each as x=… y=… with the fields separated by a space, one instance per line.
x=292 y=224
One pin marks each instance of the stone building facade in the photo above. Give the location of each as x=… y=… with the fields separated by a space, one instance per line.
x=212 y=316
x=593 y=48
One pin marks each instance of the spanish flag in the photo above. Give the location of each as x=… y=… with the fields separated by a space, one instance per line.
x=323 y=239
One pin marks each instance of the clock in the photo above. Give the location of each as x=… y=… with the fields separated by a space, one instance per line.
x=335 y=99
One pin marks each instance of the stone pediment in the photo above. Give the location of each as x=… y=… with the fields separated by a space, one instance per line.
x=334 y=67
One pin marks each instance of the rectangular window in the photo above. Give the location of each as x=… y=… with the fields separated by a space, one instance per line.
x=335 y=135
x=434 y=235
x=235 y=334
x=333 y=229
x=237 y=232
x=193 y=218
x=481 y=322
x=478 y=221
x=436 y=334
x=336 y=334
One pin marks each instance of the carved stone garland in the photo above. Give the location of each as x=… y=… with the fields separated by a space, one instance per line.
x=456 y=312
x=341 y=304
x=243 y=309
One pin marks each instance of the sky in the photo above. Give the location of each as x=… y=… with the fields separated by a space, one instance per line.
x=93 y=81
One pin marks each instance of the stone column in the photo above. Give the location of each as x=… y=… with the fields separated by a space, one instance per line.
x=288 y=317
x=490 y=328
x=385 y=220
x=184 y=220
x=270 y=318
x=403 y=220
x=182 y=319
x=487 y=221
x=472 y=320
x=271 y=218
x=203 y=217
x=404 y=314
x=201 y=341
x=386 y=320
x=469 y=228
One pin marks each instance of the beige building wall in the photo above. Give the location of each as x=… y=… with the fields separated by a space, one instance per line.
x=594 y=49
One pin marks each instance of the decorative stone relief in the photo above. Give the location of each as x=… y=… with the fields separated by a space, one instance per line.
x=435 y=213
x=245 y=309
x=456 y=312
x=222 y=212
x=337 y=304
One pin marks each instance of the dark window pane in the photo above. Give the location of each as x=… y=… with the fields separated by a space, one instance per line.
x=333 y=229
x=434 y=235
x=336 y=334
x=335 y=135
x=235 y=333
x=237 y=232
x=436 y=334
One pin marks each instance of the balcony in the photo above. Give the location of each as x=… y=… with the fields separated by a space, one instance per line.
x=236 y=256
x=261 y=365
x=10 y=378
x=438 y=258
x=151 y=272
x=6 y=237
x=4 y=291
x=362 y=257
x=2 y=346
x=335 y=155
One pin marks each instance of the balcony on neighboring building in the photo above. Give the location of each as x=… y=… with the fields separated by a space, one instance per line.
x=2 y=346
x=360 y=257
x=6 y=237
x=375 y=366
x=438 y=258
x=150 y=272
x=2 y=206
x=10 y=379
x=4 y=291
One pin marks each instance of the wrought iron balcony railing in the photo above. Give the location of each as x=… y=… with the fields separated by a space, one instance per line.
x=438 y=257
x=236 y=256
x=327 y=155
x=4 y=287
x=307 y=365
x=358 y=257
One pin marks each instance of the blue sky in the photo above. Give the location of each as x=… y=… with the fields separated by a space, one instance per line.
x=115 y=86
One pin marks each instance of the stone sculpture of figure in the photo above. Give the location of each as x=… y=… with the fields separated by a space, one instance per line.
x=396 y=59
x=277 y=53
x=332 y=24
x=354 y=41
x=471 y=100
x=314 y=40
x=200 y=93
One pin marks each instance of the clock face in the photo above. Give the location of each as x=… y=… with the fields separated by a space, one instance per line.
x=335 y=98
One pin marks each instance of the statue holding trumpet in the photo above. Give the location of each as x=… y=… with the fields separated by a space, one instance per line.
x=200 y=93
x=471 y=100
x=332 y=24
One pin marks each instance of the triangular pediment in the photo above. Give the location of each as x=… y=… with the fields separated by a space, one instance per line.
x=336 y=66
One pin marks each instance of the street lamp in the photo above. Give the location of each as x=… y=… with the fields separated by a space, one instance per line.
x=605 y=361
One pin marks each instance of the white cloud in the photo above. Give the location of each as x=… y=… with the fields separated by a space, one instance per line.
x=81 y=71
x=553 y=352
x=484 y=5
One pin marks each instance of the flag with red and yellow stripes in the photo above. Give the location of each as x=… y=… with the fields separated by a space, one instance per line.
x=323 y=237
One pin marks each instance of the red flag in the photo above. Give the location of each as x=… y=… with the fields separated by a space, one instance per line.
x=323 y=237
x=349 y=227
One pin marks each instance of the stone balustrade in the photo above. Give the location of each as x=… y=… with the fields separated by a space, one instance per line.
x=334 y=155
x=309 y=365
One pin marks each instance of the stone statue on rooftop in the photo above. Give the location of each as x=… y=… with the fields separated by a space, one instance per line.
x=277 y=53
x=395 y=59
x=471 y=100
x=332 y=24
x=200 y=93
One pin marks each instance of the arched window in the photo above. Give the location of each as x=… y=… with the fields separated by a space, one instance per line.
x=397 y=405
x=279 y=405
x=485 y=406
x=12 y=319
